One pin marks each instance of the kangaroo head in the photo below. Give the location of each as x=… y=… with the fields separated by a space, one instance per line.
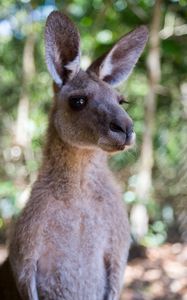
x=87 y=110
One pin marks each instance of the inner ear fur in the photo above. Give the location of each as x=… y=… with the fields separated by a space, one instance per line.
x=62 y=44
x=117 y=64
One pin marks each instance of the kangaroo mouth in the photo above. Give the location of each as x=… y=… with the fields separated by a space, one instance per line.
x=110 y=146
x=114 y=145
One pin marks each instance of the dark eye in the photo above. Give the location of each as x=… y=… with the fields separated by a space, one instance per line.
x=123 y=101
x=77 y=102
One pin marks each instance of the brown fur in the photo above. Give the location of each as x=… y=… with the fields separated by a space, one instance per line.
x=72 y=239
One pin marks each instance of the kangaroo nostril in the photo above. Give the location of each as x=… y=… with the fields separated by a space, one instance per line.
x=116 y=128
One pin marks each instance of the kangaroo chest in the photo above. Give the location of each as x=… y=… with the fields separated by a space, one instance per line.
x=77 y=225
x=75 y=242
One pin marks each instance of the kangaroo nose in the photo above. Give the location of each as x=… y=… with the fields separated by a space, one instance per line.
x=120 y=128
x=116 y=127
x=129 y=131
x=129 y=135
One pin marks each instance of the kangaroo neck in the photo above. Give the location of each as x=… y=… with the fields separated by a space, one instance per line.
x=69 y=167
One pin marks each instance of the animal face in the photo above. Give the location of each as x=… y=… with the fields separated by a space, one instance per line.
x=88 y=114
x=87 y=108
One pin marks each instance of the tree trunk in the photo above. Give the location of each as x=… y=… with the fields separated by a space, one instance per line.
x=21 y=134
x=144 y=182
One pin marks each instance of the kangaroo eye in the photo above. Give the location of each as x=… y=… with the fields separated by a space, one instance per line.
x=123 y=101
x=77 y=102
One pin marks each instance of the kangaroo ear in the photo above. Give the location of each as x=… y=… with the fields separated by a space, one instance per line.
x=117 y=64
x=62 y=44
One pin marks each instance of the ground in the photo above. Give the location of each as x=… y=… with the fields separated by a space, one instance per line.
x=161 y=275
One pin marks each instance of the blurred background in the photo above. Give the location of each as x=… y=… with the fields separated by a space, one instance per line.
x=154 y=174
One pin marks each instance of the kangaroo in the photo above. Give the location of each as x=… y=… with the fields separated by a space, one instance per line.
x=72 y=239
